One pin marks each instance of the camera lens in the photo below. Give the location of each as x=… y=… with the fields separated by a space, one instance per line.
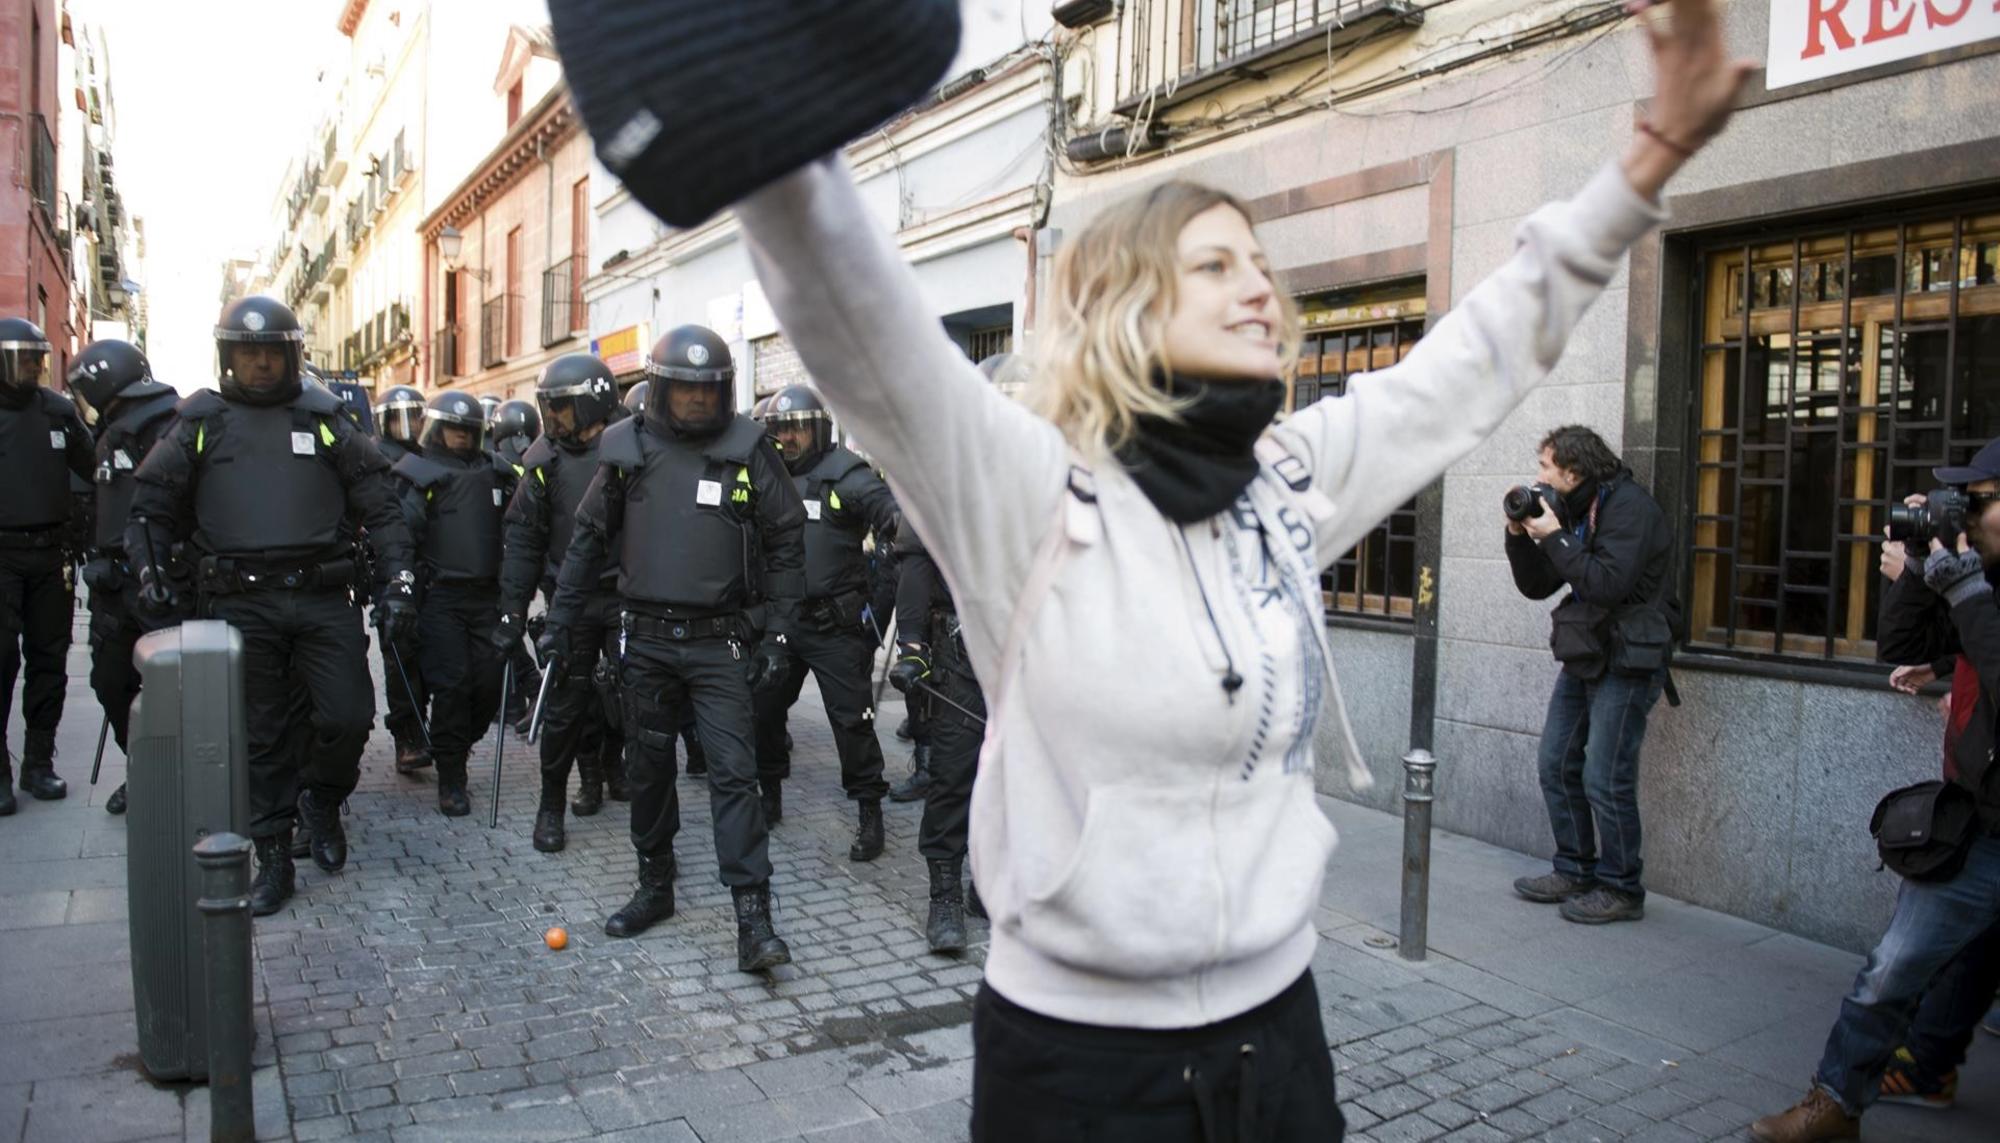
x=1521 y=503
x=1910 y=525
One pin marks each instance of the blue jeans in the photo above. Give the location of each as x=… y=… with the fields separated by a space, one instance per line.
x=1590 y=770
x=1954 y=1004
x=1934 y=922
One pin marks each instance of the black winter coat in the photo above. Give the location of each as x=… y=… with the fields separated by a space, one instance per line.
x=1621 y=563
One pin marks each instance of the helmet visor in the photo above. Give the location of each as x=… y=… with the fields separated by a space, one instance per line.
x=23 y=363
x=695 y=407
x=400 y=423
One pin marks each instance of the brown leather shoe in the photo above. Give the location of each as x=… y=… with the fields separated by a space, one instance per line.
x=1815 y=1117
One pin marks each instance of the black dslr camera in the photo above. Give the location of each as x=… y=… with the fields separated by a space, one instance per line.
x=1941 y=516
x=1527 y=501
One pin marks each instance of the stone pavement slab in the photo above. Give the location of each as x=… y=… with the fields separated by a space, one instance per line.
x=411 y=997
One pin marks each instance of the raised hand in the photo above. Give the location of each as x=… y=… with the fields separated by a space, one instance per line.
x=1695 y=83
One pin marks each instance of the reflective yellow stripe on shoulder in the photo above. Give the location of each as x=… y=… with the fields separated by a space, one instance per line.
x=200 y=435
x=833 y=499
x=326 y=433
x=541 y=476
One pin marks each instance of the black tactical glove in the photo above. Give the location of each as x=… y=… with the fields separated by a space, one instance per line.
x=769 y=662
x=399 y=617
x=552 y=649
x=156 y=597
x=506 y=634
x=911 y=668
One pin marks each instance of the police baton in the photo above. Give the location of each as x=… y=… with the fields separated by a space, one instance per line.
x=939 y=695
x=102 y=733
x=416 y=707
x=882 y=676
x=541 y=697
x=500 y=739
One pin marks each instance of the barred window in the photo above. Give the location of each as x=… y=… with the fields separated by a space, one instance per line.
x=1838 y=367
x=1346 y=334
x=984 y=343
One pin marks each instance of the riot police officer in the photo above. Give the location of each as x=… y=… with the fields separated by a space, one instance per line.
x=515 y=427
x=454 y=492
x=581 y=726
x=708 y=531
x=399 y=422
x=43 y=443
x=844 y=500
x=259 y=477
x=113 y=379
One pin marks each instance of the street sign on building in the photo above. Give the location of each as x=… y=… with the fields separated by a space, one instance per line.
x=1813 y=39
x=623 y=350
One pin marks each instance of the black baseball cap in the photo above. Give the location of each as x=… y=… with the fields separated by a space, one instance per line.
x=1985 y=465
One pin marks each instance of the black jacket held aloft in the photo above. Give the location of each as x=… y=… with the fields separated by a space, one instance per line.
x=1917 y=626
x=1618 y=564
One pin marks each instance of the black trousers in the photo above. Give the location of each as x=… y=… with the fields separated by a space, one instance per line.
x=35 y=604
x=308 y=701
x=661 y=680
x=114 y=630
x=843 y=661
x=579 y=719
x=1264 y=1076
x=403 y=688
x=461 y=667
x=955 y=738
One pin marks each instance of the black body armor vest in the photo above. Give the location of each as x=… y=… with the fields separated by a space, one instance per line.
x=688 y=538
x=834 y=562
x=34 y=466
x=265 y=480
x=464 y=501
x=120 y=452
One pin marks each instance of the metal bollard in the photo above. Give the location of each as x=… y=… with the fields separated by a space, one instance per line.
x=225 y=908
x=1419 y=773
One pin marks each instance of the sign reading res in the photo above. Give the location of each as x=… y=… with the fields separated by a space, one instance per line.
x=1813 y=39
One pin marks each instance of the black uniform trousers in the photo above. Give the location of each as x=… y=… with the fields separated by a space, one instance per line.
x=403 y=689
x=35 y=604
x=955 y=741
x=843 y=661
x=661 y=680
x=308 y=701
x=577 y=720
x=114 y=631
x=461 y=667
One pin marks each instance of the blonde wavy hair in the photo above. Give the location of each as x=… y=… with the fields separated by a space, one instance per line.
x=1105 y=341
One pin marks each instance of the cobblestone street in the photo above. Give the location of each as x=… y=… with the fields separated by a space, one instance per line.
x=411 y=997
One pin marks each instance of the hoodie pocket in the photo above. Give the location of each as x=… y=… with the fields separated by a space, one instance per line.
x=1143 y=894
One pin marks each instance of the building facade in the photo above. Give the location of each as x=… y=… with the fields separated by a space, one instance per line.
x=36 y=242
x=107 y=241
x=504 y=249
x=962 y=180
x=1816 y=326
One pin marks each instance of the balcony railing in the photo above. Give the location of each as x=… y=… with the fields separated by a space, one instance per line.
x=444 y=352
x=562 y=317
x=42 y=170
x=1172 y=51
x=493 y=328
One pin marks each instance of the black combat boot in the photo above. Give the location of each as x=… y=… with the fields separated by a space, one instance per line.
x=276 y=878
x=7 y=803
x=946 y=928
x=411 y=756
x=903 y=731
x=974 y=907
x=38 y=768
x=614 y=775
x=329 y=840
x=651 y=903
x=758 y=945
x=548 y=835
x=452 y=799
x=115 y=804
x=868 y=834
x=917 y=786
x=589 y=786
x=771 y=792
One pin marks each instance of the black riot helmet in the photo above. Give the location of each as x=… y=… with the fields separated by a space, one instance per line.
x=797 y=419
x=108 y=371
x=24 y=356
x=490 y=404
x=575 y=392
x=693 y=369
x=399 y=415
x=259 y=346
x=635 y=397
x=459 y=409
x=516 y=418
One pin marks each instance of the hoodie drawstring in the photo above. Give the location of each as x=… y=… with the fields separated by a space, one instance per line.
x=1246 y=1099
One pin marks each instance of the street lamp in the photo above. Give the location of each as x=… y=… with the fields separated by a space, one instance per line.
x=450 y=245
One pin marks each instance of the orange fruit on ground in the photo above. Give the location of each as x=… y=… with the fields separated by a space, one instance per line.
x=556 y=938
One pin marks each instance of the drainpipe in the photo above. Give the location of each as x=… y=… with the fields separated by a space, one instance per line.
x=548 y=230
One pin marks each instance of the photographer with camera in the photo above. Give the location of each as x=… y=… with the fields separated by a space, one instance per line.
x=1942 y=837
x=1590 y=527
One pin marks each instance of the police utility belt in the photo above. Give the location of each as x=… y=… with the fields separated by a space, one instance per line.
x=219 y=575
x=681 y=630
x=833 y=612
x=30 y=538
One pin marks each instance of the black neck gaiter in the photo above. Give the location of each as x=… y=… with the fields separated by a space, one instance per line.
x=1195 y=467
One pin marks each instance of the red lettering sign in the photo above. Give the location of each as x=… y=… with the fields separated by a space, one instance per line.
x=1826 y=14
x=1878 y=29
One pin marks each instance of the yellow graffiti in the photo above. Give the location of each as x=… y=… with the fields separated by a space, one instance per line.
x=1426 y=587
